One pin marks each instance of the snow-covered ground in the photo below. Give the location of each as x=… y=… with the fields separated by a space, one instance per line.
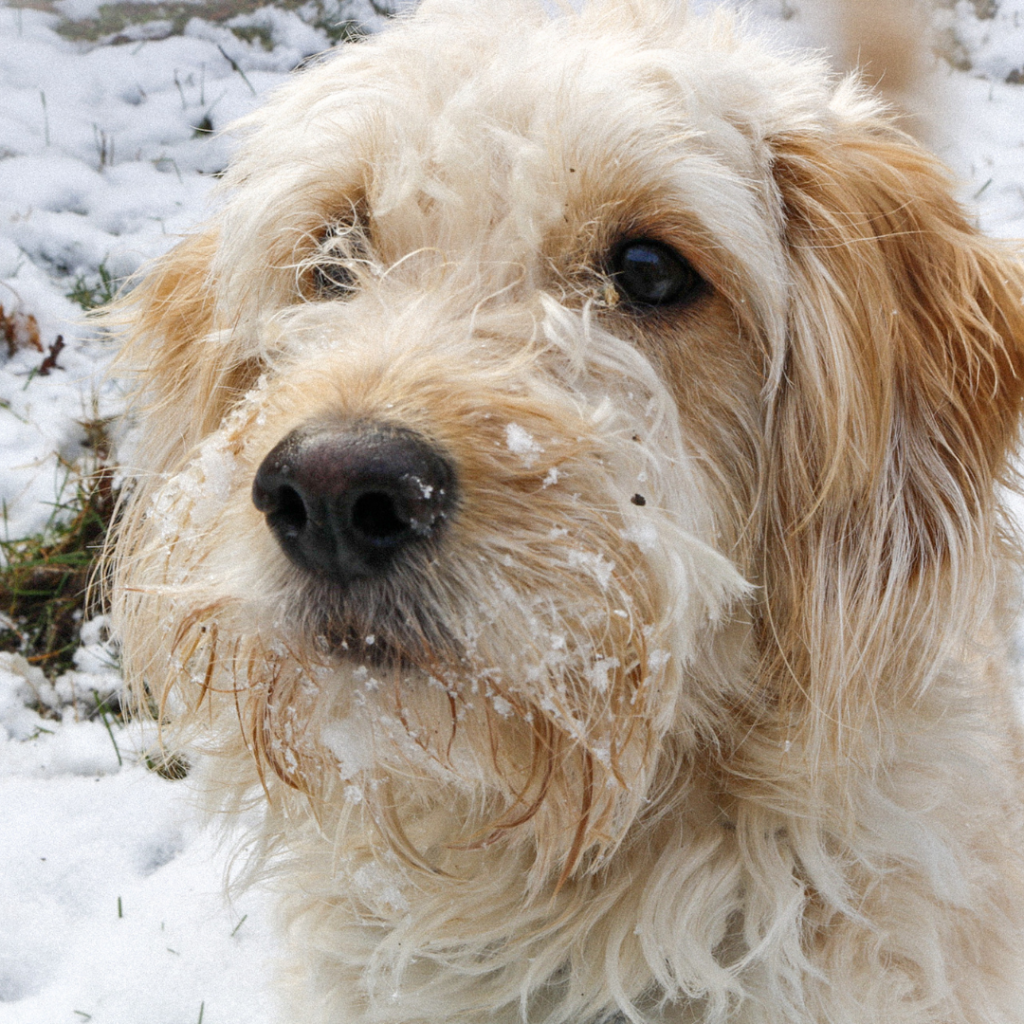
x=110 y=896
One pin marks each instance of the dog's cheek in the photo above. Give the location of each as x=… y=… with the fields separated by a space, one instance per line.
x=712 y=361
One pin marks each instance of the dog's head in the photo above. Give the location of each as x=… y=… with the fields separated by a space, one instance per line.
x=559 y=408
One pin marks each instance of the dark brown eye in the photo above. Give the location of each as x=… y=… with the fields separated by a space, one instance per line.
x=651 y=273
x=334 y=263
x=332 y=279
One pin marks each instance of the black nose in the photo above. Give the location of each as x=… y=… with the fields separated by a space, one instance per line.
x=344 y=500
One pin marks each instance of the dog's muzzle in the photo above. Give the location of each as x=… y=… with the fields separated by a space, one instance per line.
x=346 y=500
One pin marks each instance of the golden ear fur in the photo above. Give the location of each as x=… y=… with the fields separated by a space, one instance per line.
x=890 y=427
x=169 y=323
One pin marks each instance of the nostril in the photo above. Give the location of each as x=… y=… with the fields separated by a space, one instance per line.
x=277 y=498
x=289 y=511
x=375 y=517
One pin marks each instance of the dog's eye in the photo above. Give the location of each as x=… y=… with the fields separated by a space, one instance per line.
x=334 y=272
x=333 y=279
x=650 y=273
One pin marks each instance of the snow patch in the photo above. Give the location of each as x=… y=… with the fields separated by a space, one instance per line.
x=520 y=442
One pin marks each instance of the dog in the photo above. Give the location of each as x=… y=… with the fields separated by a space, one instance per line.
x=568 y=523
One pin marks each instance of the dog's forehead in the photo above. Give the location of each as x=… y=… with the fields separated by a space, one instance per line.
x=462 y=93
x=568 y=87
x=495 y=125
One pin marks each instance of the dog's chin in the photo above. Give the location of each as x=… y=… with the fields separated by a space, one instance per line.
x=374 y=623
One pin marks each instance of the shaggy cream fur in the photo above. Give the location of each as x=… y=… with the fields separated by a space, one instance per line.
x=683 y=692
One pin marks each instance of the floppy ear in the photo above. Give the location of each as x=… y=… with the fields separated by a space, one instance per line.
x=189 y=372
x=892 y=416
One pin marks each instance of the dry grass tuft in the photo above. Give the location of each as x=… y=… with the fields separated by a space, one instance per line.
x=44 y=579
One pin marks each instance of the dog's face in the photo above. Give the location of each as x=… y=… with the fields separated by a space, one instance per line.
x=516 y=428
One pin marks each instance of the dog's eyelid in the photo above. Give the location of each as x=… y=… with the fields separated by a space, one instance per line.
x=349 y=237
